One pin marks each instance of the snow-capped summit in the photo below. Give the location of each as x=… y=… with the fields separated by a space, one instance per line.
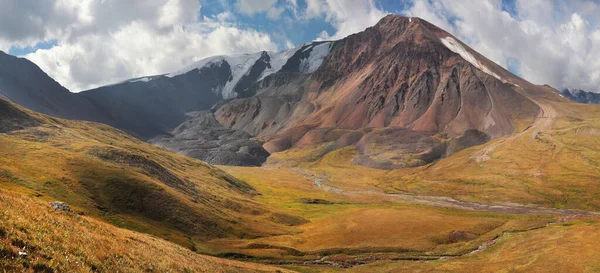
x=250 y=68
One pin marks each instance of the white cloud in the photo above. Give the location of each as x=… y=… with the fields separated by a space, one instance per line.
x=102 y=42
x=323 y=35
x=251 y=7
x=346 y=16
x=556 y=42
x=225 y=16
x=289 y=45
x=274 y=13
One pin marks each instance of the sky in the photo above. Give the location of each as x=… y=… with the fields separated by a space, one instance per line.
x=84 y=44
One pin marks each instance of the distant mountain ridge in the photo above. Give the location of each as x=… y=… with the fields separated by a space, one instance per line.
x=581 y=96
x=23 y=82
x=153 y=105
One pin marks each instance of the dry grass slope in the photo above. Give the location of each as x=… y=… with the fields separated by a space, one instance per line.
x=104 y=173
x=566 y=247
x=57 y=241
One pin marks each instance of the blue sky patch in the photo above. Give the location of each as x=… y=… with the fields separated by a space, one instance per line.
x=514 y=66
x=21 y=51
x=287 y=26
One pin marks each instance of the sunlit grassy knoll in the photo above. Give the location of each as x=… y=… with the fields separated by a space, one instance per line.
x=56 y=241
x=335 y=167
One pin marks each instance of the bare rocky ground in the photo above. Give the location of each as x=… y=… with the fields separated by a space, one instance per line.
x=202 y=137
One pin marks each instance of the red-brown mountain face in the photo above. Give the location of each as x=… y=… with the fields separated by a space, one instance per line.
x=404 y=92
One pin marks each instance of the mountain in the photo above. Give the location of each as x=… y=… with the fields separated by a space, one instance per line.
x=24 y=83
x=154 y=105
x=403 y=92
x=403 y=78
x=581 y=96
x=150 y=106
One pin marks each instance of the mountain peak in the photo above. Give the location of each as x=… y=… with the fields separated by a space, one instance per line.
x=394 y=22
x=394 y=19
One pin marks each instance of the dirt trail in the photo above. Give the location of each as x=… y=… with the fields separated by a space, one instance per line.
x=447 y=202
x=542 y=123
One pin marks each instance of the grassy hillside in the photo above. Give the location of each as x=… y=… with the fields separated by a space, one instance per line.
x=35 y=238
x=104 y=173
x=551 y=161
x=309 y=214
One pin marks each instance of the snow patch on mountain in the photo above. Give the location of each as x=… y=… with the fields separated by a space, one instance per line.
x=317 y=55
x=581 y=96
x=457 y=48
x=141 y=80
x=197 y=65
x=278 y=60
x=240 y=66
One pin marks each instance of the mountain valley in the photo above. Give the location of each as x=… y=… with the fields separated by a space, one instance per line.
x=395 y=149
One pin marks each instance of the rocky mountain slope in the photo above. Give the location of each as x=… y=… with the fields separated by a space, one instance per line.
x=204 y=138
x=403 y=92
x=154 y=105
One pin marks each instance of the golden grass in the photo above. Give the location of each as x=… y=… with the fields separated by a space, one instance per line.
x=363 y=223
x=569 y=247
x=104 y=173
x=407 y=229
x=58 y=241
x=265 y=216
x=556 y=168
